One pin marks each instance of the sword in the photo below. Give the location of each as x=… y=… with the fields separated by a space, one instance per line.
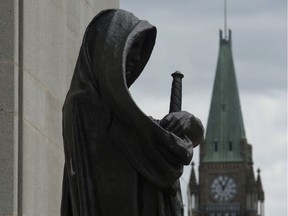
x=175 y=106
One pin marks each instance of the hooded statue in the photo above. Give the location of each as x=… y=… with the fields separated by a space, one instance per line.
x=118 y=161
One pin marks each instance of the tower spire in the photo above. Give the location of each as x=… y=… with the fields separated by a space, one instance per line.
x=225 y=128
x=225 y=19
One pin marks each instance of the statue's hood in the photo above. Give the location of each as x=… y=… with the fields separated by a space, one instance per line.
x=109 y=39
x=102 y=61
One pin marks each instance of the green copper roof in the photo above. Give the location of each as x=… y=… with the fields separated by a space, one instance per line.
x=225 y=126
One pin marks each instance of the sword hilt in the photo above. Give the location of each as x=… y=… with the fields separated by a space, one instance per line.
x=176 y=92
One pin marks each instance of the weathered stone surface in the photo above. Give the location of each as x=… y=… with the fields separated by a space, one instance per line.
x=108 y=4
x=73 y=15
x=44 y=45
x=6 y=107
x=7 y=36
x=42 y=167
x=6 y=162
x=53 y=123
x=7 y=86
x=34 y=102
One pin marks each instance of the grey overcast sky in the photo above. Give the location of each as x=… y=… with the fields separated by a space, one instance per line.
x=188 y=41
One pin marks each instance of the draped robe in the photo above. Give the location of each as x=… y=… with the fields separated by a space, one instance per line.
x=118 y=161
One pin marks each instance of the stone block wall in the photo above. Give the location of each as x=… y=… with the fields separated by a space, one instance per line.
x=8 y=108
x=38 y=53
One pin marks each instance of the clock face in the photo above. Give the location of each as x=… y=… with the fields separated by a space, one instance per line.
x=223 y=188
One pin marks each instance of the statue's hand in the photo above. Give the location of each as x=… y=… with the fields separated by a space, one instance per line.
x=184 y=124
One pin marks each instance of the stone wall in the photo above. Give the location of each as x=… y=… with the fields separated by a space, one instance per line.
x=8 y=108
x=39 y=61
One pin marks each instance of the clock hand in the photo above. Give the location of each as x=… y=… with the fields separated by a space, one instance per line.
x=222 y=185
x=226 y=182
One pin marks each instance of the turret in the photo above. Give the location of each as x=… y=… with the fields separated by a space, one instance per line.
x=193 y=192
x=261 y=196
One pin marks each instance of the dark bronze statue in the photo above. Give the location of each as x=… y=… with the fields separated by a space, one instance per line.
x=118 y=161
